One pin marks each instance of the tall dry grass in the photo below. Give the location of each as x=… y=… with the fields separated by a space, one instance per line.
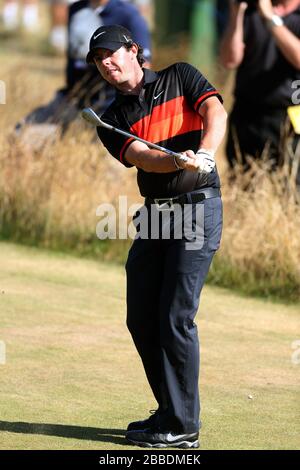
x=260 y=251
x=49 y=197
x=49 y=192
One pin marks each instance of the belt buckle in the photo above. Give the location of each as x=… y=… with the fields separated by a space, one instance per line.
x=161 y=205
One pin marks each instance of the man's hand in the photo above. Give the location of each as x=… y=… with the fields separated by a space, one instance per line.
x=238 y=5
x=265 y=8
x=202 y=162
x=191 y=164
x=206 y=160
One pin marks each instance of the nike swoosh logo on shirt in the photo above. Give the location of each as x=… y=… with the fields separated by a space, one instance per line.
x=157 y=96
x=95 y=37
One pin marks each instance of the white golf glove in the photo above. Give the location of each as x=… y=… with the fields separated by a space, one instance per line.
x=206 y=160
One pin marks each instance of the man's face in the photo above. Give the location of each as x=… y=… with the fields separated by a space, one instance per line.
x=116 y=67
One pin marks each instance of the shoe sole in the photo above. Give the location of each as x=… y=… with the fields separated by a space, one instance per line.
x=160 y=445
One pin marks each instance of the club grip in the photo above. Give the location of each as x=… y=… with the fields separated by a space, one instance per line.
x=180 y=156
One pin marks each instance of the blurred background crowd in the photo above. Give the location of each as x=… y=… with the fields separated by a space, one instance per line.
x=29 y=15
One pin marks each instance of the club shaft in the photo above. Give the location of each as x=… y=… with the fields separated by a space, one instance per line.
x=149 y=144
x=89 y=115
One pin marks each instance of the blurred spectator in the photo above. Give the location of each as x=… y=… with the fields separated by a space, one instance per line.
x=83 y=84
x=262 y=42
x=59 y=18
x=144 y=6
x=59 y=12
x=29 y=15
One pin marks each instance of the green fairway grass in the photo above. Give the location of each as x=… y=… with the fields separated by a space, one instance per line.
x=72 y=378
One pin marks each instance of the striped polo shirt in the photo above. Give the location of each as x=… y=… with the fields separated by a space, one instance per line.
x=166 y=113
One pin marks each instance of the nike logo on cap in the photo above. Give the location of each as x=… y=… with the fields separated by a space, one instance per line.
x=95 y=37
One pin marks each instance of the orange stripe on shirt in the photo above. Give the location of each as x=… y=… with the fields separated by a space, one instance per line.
x=174 y=117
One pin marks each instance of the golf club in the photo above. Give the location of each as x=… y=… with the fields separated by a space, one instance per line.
x=89 y=115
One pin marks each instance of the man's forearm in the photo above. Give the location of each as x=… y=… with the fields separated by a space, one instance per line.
x=155 y=161
x=232 y=44
x=287 y=42
x=214 y=122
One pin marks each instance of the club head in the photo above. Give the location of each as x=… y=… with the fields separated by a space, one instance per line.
x=89 y=115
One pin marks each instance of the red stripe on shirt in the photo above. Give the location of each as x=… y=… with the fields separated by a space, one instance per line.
x=174 y=117
x=124 y=148
x=203 y=97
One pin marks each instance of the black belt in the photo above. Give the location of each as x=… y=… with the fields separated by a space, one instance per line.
x=187 y=198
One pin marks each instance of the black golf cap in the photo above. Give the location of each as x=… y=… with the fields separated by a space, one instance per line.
x=108 y=37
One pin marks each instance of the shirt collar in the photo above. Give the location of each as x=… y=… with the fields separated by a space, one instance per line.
x=149 y=77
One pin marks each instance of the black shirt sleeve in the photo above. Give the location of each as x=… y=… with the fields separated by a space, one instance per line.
x=115 y=143
x=195 y=86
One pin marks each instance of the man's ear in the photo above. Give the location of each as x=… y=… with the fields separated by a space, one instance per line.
x=134 y=49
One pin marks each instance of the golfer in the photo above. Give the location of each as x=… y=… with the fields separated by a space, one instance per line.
x=178 y=109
